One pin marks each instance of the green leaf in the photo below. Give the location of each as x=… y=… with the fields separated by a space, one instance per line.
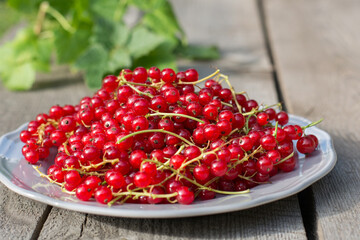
x=121 y=34
x=199 y=52
x=119 y=58
x=142 y=41
x=43 y=49
x=93 y=61
x=103 y=32
x=26 y=6
x=22 y=77
x=62 y=6
x=70 y=45
x=161 y=57
x=105 y=8
x=161 y=19
x=24 y=55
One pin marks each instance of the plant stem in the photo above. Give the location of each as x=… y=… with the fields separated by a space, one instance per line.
x=284 y=159
x=155 y=130
x=312 y=124
x=138 y=91
x=40 y=17
x=226 y=78
x=203 y=79
x=175 y=115
x=61 y=19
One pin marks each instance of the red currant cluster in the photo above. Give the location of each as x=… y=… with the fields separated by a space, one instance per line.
x=148 y=137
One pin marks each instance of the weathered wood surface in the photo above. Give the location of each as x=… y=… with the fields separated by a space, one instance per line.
x=19 y=216
x=235 y=27
x=316 y=47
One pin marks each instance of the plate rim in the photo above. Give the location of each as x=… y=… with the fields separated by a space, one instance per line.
x=176 y=213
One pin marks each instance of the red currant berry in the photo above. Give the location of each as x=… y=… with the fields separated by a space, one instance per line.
x=103 y=195
x=168 y=75
x=185 y=196
x=139 y=75
x=305 y=145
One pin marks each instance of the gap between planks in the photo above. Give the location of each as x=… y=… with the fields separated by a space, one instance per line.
x=41 y=223
x=306 y=197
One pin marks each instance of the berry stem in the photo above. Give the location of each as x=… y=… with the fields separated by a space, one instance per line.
x=155 y=130
x=226 y=78
x=175 y=115
x=139 y=194
x=45 y=176
x=84 y=172
x=284 y=159
x=138 y=91
x=262 y=109
x=276 y=129
x=207 y=188
x=60 y=18
x=250 y=180
x=105 y=161
x=226 y=104
x=203 y=79
x=312 y=124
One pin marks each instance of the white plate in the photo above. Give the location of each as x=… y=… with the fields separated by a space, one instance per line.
x=21 y=178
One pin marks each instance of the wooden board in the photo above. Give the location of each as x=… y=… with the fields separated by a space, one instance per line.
x=235 y=27
x=231 y=25
x=20 y=217
x=271 y=221
x=316 y=46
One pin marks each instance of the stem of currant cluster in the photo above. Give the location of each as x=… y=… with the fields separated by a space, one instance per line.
x=175 y=115
x=312 y=124
x=45 y=176
x=284 y=159
x=207 y=188
x=60 y=18
x=155 y=130
x=203 y=79
x=232 y=91
x=138 y=91
x=262 y=109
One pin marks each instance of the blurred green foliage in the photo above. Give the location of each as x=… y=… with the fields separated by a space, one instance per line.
x=8 y=17
x=92 y=36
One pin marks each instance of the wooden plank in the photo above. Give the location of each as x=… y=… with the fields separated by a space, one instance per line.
x=19 y=216
x=233 y=26
x=272 y=221
x=280 y=219
x=245 y=60
x=316 y=47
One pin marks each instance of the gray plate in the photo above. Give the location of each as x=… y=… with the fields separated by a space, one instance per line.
x=21 y=178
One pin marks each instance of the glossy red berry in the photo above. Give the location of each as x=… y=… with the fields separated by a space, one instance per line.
x=306 y=145
x=142 y=179
x=103 y=195
x=185 y=196
x=191 y=75
x=84 y=193
x=168 y=75
x=282 y=117
x=139 y=75
x=211 y=132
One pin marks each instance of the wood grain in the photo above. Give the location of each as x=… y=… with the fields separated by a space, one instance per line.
x=265 y=222
x=19 y=216
x=316 y=47
x=233 y=26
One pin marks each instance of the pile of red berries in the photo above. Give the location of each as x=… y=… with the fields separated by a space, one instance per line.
x=147 y=136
